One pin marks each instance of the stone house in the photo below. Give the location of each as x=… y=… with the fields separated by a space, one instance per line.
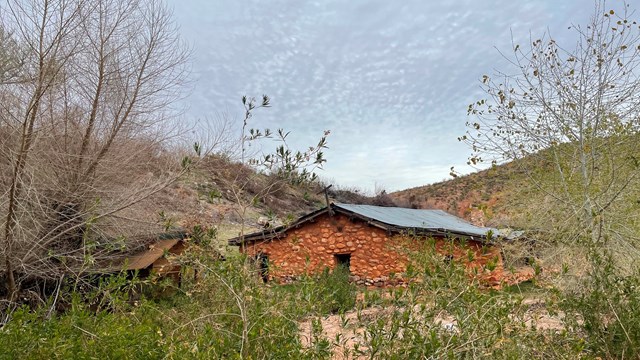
x=369 y=240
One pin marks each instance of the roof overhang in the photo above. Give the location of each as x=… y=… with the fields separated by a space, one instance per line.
x=280 y=231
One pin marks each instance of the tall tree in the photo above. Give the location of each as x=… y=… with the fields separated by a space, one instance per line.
x=82 y=129
x=572 y=112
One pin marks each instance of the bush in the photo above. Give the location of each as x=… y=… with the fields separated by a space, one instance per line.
x=83 y=334
x=607 y=310
x=327 y=293
x=229 y=313
x=445 y=314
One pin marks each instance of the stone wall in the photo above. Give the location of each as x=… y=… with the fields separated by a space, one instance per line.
x=376 y=257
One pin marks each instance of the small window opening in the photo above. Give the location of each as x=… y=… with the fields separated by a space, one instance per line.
x=263 y=266
x=344 y=261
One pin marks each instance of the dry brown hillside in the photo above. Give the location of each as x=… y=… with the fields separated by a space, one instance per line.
x=225 y=194
x=485 y=198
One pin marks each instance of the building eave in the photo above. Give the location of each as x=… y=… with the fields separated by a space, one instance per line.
x=280 y=231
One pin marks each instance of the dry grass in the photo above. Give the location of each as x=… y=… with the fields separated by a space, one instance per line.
x=484 y=198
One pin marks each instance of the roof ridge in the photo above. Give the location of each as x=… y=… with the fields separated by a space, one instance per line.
x=395 y=219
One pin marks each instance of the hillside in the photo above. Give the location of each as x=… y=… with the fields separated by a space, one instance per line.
x=213 y=193
x=221 y=193
x=486 y=198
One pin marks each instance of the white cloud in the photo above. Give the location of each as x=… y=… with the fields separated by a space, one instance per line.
x=390 y=80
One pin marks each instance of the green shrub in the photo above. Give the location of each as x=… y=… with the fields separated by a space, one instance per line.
x=329 y=292
x=229 y=313
x=445 y=314
x=607 y=310
x=83 y=334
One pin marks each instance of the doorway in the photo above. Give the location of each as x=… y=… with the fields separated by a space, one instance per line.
x=343 y=261
x=263 y=266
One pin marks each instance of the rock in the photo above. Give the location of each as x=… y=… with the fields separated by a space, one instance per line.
x=263 y=221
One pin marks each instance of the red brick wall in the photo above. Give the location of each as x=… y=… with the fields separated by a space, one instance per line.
x=375 y=255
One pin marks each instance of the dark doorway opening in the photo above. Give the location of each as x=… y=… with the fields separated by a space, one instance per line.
x=344 y=261
x=263 y=266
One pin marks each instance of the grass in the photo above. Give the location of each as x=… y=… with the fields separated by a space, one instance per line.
x=229 y=313
x=525 y=288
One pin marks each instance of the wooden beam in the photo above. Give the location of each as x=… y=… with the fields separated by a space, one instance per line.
x=326 y=198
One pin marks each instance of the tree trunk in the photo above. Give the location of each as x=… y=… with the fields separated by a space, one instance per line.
x=12 y=287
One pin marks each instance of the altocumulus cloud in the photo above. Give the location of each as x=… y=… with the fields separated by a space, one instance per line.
x=391 y=80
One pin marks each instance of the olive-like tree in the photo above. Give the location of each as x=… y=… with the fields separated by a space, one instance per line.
x=569 y=114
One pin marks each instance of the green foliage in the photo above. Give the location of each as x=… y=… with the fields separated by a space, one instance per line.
x=203 y=236
x=167 y=222
x=82 y=334
x=322 y=347
x=607 y=311
x=234 y=315
x=102 y=323
x=197 y=148
x=294 y=167
x=443 y=314
x=229 y=313
x=186 y=163
x=329 y=292
x=213 y=195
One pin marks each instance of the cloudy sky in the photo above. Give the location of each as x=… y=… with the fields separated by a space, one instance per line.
x=390 y=79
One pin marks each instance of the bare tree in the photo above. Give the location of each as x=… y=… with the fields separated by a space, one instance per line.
x=572 y=114
x=10 y=57
x=82 y=131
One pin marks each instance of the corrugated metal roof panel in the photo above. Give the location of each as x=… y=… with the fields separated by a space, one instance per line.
x=436 y=220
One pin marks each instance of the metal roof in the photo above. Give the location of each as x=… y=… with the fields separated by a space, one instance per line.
x=430 y=220
x=423 y=222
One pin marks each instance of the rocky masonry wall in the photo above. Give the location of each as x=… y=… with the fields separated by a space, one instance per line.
x=375 y=258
